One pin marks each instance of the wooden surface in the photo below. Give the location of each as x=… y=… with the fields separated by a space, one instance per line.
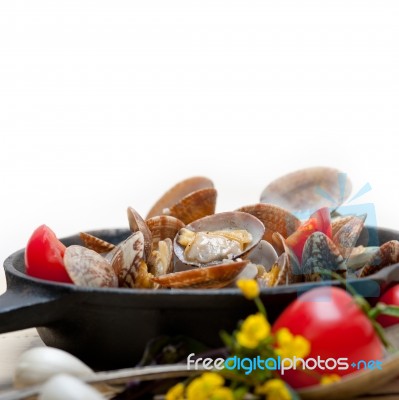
x=15 y=343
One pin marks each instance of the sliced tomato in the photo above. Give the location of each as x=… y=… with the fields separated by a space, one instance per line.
x=44 y=255
x=319 y=221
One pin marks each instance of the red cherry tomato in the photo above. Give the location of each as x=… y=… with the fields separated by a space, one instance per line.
x=319 y=221
x=390 y=297
x=44 y=256
x=336 y=328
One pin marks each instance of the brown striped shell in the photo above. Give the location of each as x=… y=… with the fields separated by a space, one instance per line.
x=88 y=268
x=163 y=227
x=96 y=244
x=137 y=223
x=308 y=189
x=338 y=222
x=128 y=259
x=387 y=255
x=194 y=206
x=178 y=192
x=215 y=276
x=274 y=218
x=346 y=237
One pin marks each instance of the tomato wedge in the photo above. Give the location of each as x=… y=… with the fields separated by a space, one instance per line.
x=44 y=255
x=319 y=221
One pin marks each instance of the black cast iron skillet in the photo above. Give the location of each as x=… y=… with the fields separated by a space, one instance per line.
x=109 y=328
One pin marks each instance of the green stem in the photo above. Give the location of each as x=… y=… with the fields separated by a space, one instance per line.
x=385 y=309
x=260 y=306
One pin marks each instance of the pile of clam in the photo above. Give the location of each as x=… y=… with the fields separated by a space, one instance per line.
x=182 y=243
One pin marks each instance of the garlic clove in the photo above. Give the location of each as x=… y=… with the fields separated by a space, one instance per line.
x=67 y=387
x=37 y=365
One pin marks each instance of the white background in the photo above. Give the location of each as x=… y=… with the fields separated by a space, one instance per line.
x=105 y=104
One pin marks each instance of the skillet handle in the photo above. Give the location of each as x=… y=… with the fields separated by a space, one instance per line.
x=24 y=309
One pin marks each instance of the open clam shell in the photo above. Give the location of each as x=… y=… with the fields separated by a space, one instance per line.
x=163 y=227
x=128 y=259
x=293 y=264
x=249 y=272
x=194 y=206
x=308 y=189
x=279 y=275
x=178 y=192
x=137 y=223
x=263 y=254
x=348 y=234
x=274 y=218
x=320 y=254
x=96 y=244
x=88 y=268
x=223 y=221
x=360 y=256
x=215 y=276
x=161 y=260
x=387 y=255
x=338 y=222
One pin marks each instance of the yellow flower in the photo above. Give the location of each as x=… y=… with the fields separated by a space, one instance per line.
x=203 y=387
x=274 y=389
x=222 y=393
x=175 y=392
x=290 y=346
x=328 y=379
x=249 y=288
x=253 y=330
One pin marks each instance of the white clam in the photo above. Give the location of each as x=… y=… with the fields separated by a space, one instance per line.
x=39 y=364
x=67 y=387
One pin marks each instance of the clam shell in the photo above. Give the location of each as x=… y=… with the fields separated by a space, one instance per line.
x=157 y=265
x=284 y=276
x=320 y=253
x=96 y=244
x=361 y=256
x=137 y=223
x=163 y=227
x=387 y=255
x=178 y=192
x=346 y=237
x=128 y=258
x=249 y=272
x=308 y=189
x=194 y=206
x=338 y=222
x=88 y=268
x=263 y=254
x=274 y=218
x=293 y=263
x=215 y=276
x=221 y=221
